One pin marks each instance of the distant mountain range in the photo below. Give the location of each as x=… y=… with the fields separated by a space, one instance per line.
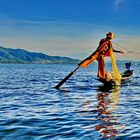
x=8 y=55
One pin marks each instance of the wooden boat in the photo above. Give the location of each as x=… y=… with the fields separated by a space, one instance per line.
x=125 y=77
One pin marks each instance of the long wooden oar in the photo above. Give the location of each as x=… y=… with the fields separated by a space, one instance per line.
x=84 y=64
x=66 y=78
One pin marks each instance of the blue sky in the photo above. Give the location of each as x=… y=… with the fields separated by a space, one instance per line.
x=68 y=27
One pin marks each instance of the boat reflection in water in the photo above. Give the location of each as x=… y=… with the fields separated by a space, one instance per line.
x=108 y=124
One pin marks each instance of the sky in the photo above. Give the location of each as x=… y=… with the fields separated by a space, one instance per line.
x=71 y=28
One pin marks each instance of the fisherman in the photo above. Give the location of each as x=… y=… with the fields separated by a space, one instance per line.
x=128 y=70
x=104 y=47
x=102 y=51
x=128 y=65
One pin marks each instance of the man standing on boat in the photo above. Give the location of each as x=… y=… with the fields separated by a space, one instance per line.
x=102 y=51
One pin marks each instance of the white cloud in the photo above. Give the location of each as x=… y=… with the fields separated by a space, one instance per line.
x=76 y=40
x=72 y=47
x=117 y=3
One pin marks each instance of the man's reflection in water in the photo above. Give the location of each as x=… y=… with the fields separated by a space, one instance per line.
x=109 y=125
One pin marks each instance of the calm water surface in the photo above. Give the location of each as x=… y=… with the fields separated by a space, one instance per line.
x=31 y=109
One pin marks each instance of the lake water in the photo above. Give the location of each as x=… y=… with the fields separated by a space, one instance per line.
x=31 y=109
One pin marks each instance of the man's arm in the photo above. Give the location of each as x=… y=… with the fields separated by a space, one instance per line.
x=118 y=51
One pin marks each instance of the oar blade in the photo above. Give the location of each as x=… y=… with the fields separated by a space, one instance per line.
x=65 y=79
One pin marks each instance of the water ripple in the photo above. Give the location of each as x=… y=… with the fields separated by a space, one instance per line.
x=31 y=109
